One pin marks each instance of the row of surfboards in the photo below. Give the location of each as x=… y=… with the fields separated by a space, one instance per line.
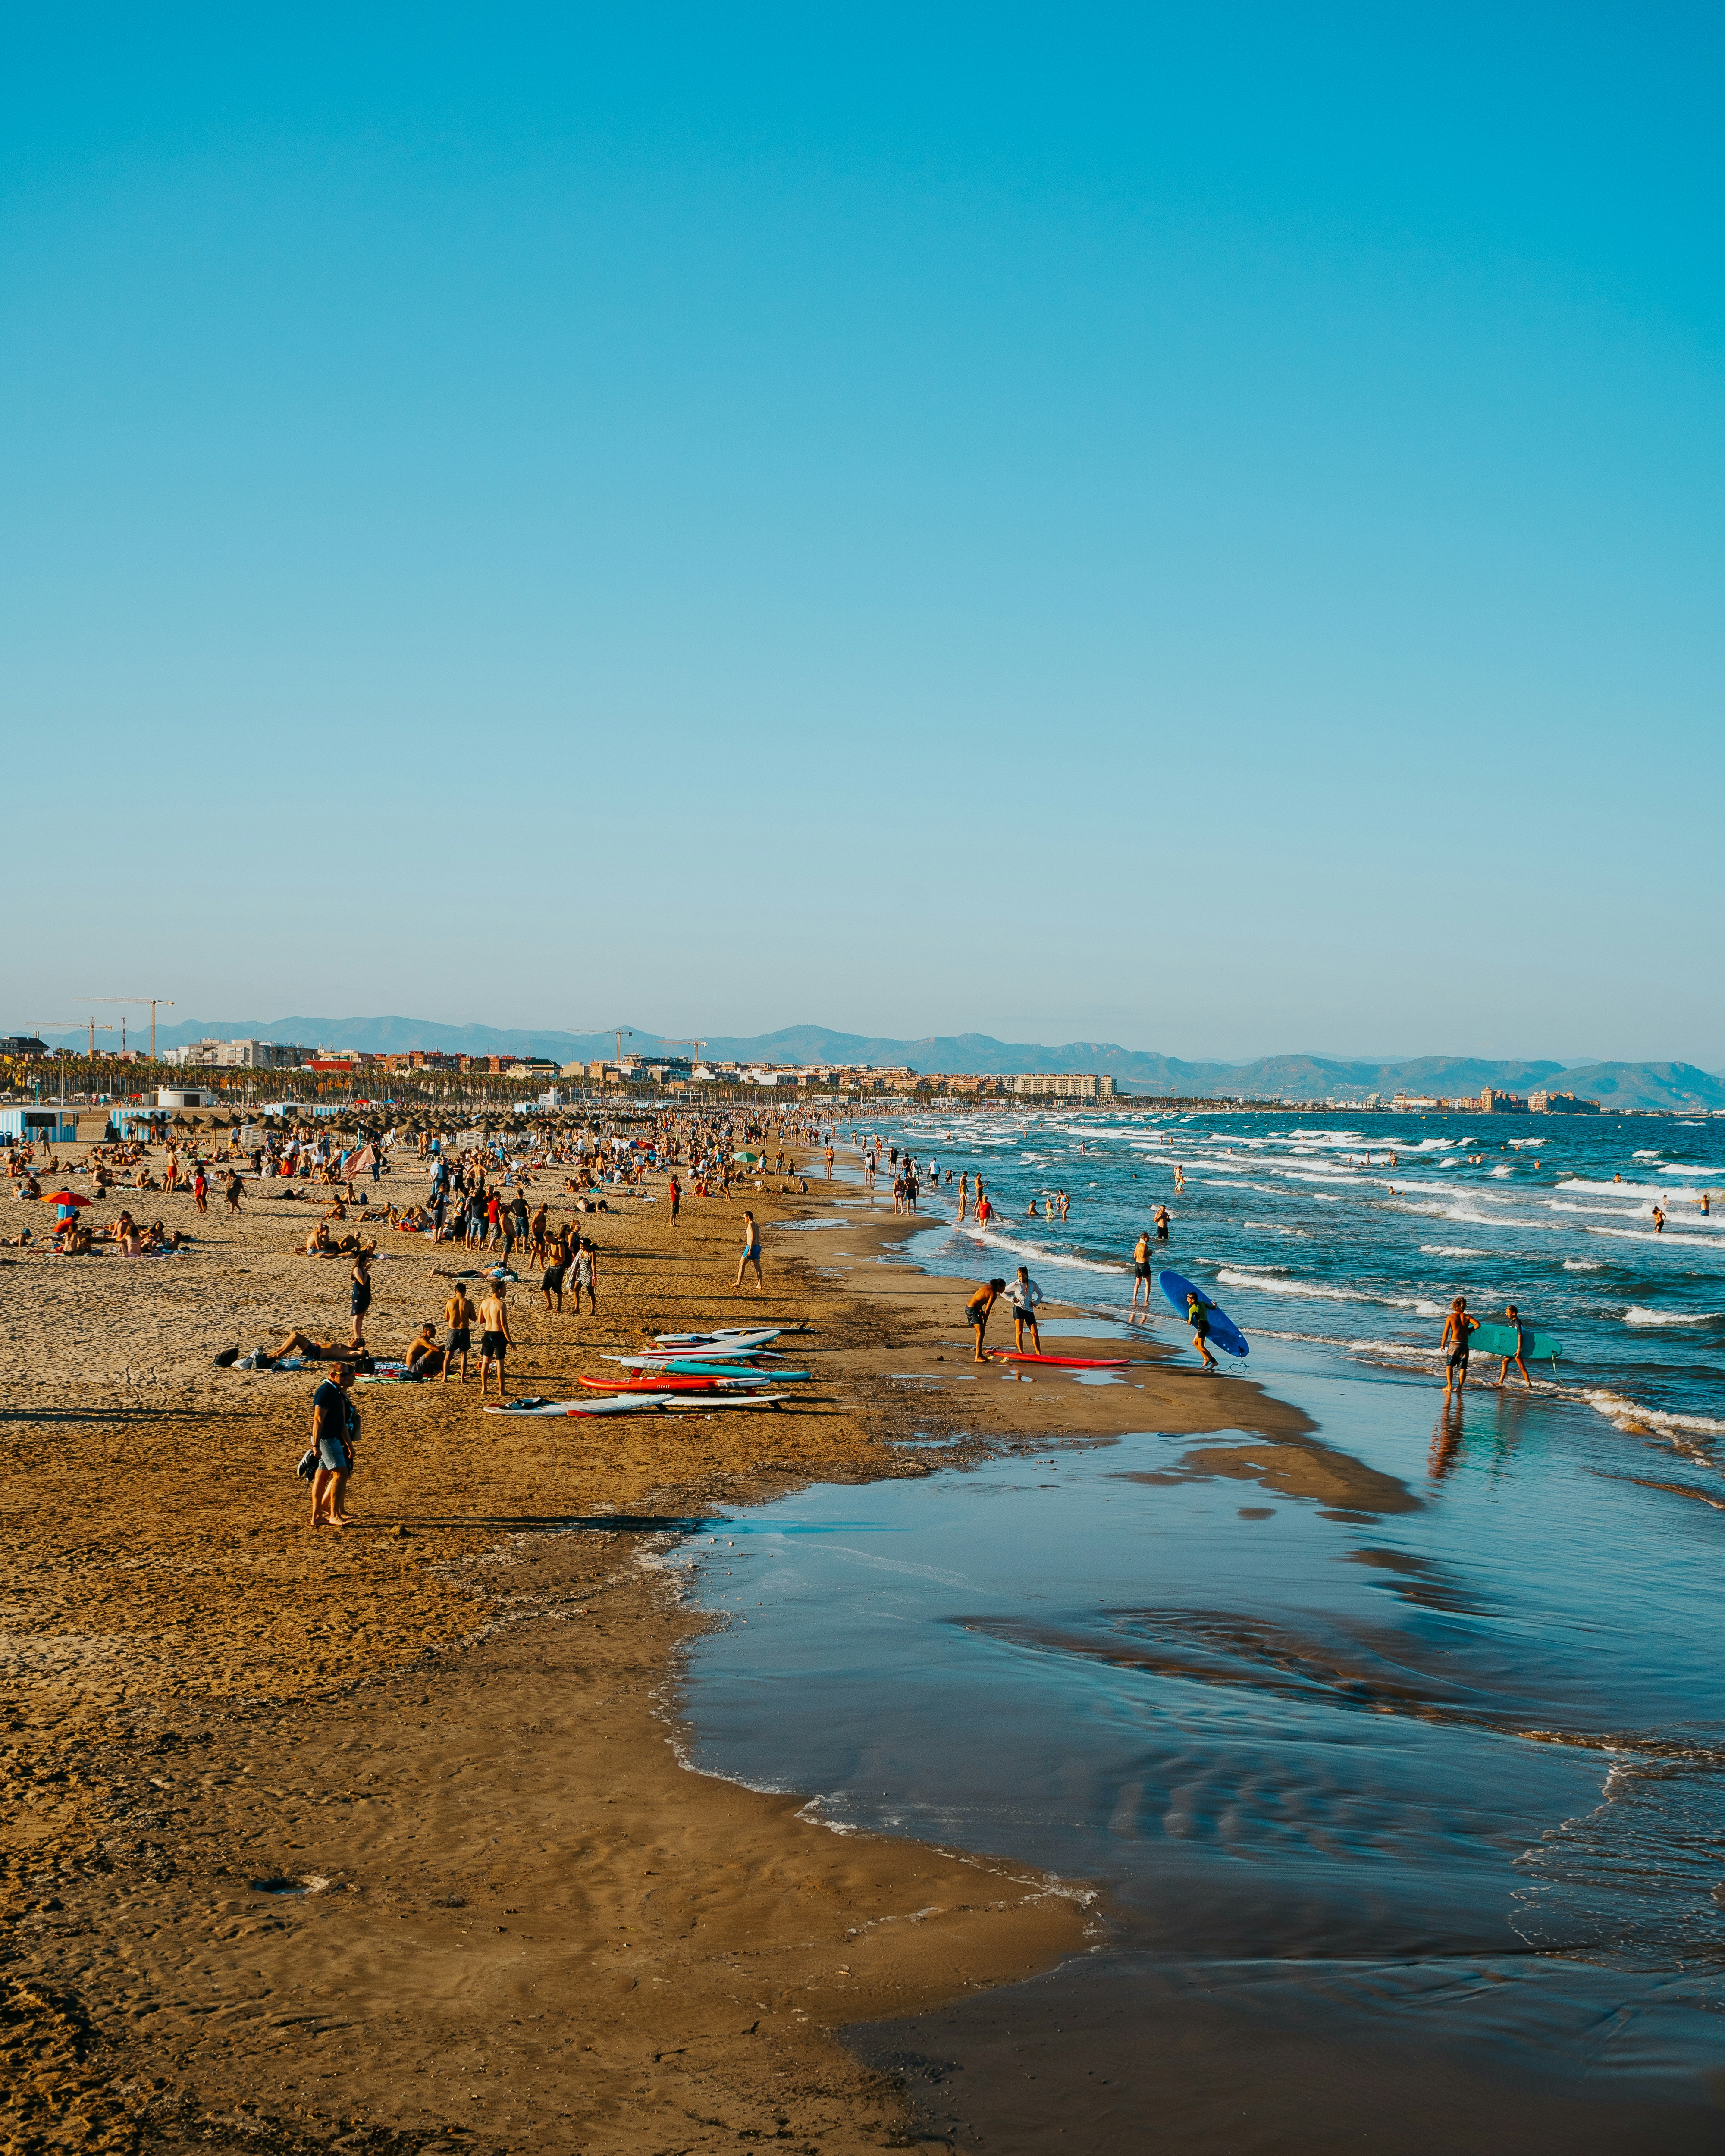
x=705 y=1370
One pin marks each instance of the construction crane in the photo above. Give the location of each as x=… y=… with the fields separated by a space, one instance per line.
x=620 y=1030
x=165 y=1001
x=93 y=1029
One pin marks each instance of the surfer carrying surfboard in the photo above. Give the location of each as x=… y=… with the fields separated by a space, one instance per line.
x=1198 y=1316
x=1524 y=1347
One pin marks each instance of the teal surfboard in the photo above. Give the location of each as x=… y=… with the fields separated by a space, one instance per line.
x=1501 y=1340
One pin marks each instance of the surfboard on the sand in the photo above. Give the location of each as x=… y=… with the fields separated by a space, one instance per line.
x=701 y=1402
x=733 y=1336
x=1501 y=1340
x=1063 y=1362
x=621 y=1404
x=687 y=1367
x=673 y=1384
x=1224 y=1333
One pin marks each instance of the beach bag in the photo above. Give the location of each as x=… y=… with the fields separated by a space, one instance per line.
x=227 y=1358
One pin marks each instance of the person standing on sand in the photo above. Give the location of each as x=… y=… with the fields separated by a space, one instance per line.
x=359 y=1295
x=587 y=1273
x=494 y=1335
x=676 y=1199
x=1141 y=1270
x=232 y=1192
x=1459 y=1330
x=200 y=1189
x=1524 y=1347
x=976 y=1310
x=459 y=1314
x=1025 y=1296
x=752 y=1252
x=334 y=1427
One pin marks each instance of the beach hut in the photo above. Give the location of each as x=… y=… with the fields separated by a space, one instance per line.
x=45 y=1126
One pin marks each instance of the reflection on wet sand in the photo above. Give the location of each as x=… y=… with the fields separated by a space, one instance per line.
x=1320 y=1472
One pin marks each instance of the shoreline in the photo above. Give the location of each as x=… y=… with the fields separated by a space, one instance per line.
x=465 y=1693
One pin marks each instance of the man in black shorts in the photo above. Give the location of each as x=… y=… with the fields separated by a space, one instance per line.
x=1455 y=1344
x=976 y=1310
x=457 y=1315
x=494 y=1335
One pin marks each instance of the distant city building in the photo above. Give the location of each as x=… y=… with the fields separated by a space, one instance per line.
x=237 y=1056
x=1560 y=1104
x=1491 y=1102
x=23 y=1045
x=1064 y=1085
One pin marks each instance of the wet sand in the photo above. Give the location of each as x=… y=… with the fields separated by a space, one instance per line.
x=384 y=1831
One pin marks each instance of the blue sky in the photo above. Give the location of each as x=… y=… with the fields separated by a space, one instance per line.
x=1201 y=528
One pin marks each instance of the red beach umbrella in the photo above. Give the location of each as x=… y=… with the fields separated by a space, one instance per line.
x=66 y=1198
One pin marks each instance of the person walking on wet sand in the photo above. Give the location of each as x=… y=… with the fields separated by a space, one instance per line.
x=1524 y=1347
x=751 y=1252
x=494 y=1335
x=976 y=1310
x=1198 y=1316
x=333 y=1425
x=1140 y=1270
x=1459 y=1329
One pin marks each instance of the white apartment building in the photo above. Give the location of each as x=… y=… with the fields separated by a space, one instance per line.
x=1064 y=1085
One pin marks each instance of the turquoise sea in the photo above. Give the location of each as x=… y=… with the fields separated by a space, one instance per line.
x=1396 y=1786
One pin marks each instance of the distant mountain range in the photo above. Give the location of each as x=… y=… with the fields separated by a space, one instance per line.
x=1679 y=1087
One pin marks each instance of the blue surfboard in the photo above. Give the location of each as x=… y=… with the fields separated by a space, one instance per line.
x=1224 y=1333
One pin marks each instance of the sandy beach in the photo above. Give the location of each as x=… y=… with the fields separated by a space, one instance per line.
x=384 y=1833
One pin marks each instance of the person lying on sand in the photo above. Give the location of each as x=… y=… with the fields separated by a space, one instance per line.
x=313 y=1351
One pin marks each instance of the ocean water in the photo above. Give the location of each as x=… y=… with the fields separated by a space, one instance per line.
x=1393 y=1760
x=1301 y=1229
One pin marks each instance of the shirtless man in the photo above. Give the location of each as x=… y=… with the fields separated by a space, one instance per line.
x=494 y=1335
x=423 y=1357
x=751 y=1252
x=459 y=1314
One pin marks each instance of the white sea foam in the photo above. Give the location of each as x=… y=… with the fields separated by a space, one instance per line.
x=1583 y=1265
x=1236 y=1279
x=1451 y=1251
x=1636 y=1315
x=1652 y=1235
x=1032 y=1253
x=1626 y=1414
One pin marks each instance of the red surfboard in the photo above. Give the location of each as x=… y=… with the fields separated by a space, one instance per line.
x=1059 y=1361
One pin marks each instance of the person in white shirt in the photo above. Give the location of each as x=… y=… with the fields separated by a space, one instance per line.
x=1025 y=1296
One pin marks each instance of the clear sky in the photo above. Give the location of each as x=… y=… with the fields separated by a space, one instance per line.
x=1200 y=527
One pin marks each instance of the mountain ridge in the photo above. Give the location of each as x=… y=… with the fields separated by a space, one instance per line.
x=1679 y=1087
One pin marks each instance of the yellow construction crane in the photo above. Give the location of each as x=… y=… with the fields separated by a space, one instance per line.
x=165 y=1001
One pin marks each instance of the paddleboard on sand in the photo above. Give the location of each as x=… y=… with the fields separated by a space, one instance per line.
x=1501 y=1340
x=1063 y=1362
x=649 y=1366
x=701 y=1402
x=1224 y=1333
x=738 y=1337
x=616 y=1406
x=671 y=1384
